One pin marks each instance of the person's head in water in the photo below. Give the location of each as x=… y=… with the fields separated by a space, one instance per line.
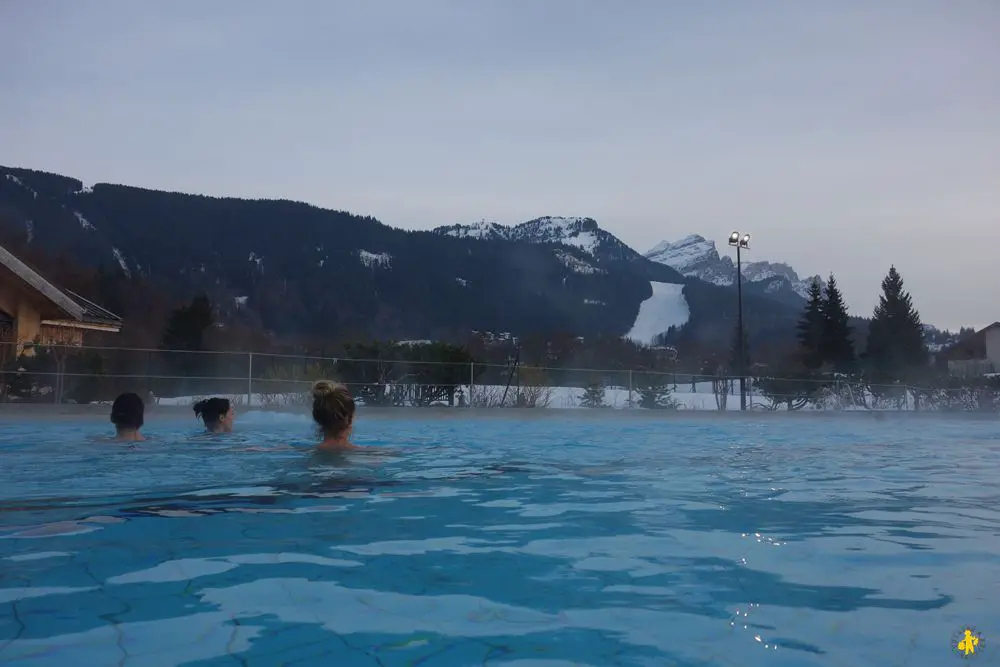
x=333 y=411
x=127 y=416
x=217 y=413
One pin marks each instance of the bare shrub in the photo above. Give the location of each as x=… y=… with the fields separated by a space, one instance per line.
x=720 y=387
x=489 y=396
x=535 y=391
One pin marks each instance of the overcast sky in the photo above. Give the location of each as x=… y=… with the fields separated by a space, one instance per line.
x=846 y=135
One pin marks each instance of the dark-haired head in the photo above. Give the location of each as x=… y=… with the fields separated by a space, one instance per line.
x=127 y=412
x=217 y=413
x=333 y=411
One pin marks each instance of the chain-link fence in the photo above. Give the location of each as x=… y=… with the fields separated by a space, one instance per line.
x=173 y=377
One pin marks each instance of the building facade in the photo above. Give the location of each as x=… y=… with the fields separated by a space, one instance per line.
x=976 y=356
x=33 y=311
x=991 y=340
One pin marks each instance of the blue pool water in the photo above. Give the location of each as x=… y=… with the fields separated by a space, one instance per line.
x=493 y=541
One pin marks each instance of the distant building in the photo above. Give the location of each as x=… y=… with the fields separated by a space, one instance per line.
x=976 y=355
x=34 y=311
x=493 y=338
x=665 y=353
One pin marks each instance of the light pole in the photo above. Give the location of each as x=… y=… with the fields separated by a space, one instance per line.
x=740 y=242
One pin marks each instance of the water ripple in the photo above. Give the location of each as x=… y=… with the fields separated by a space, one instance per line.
x=542 y=543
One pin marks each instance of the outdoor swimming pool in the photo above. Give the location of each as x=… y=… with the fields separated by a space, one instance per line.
x=497 y=541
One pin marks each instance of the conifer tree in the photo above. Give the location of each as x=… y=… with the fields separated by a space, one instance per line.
x=655 y=393
x=185 y=331
x=187 y=325
x=593 y=394
x=896 y=346
x=810 y=328
x=835 y=342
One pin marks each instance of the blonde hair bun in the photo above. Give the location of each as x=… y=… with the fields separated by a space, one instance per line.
x=324 y=388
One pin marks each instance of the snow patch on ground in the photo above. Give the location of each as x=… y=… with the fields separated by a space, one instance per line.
x=586 y=241
x=574 y=231
x=697 y=395
x=773 y=286
x=17 y=181
x=689 y=397
x=575 y=264
x=121 y=261
x=667 y=307
x=373 y=259
x=83 y=221
x=484 y=229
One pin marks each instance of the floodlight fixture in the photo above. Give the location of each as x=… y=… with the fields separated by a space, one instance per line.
x=740 y=242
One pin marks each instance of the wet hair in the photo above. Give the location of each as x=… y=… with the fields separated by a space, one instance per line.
x=127 y=411
x=211 y=410
x=333 y=407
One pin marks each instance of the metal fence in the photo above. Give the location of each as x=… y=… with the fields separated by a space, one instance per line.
x=266 y=380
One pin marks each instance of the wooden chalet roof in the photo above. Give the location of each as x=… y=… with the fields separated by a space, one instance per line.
x=75 y=307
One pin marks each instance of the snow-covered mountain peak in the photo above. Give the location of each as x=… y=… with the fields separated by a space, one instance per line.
x=558 y=225
x=754 y=271
x=582 y=233
x=692 y=254
x=484 y=229
x=577 y=232
x=695 y=256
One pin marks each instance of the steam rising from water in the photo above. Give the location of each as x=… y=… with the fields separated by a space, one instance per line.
x=789 y=541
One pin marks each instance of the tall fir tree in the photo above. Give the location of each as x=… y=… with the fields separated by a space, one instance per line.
x=184 y=332
x=896 y=348
x=835 y=343
x=655 y=394
x=593 y=394
x=187 y=325
x=810 y=328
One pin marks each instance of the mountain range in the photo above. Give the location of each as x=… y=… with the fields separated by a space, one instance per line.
x=295 y=269
x=693 y=256
x=698 y=257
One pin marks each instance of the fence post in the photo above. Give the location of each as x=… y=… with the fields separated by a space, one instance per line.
x=472 y=380
x=630 y=388
x=249 y=378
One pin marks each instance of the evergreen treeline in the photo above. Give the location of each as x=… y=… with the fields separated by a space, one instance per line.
x=329 y=279
x=894 y=351
x=287 y=271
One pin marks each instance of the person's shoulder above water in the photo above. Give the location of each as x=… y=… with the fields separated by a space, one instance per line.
x=333 y=411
